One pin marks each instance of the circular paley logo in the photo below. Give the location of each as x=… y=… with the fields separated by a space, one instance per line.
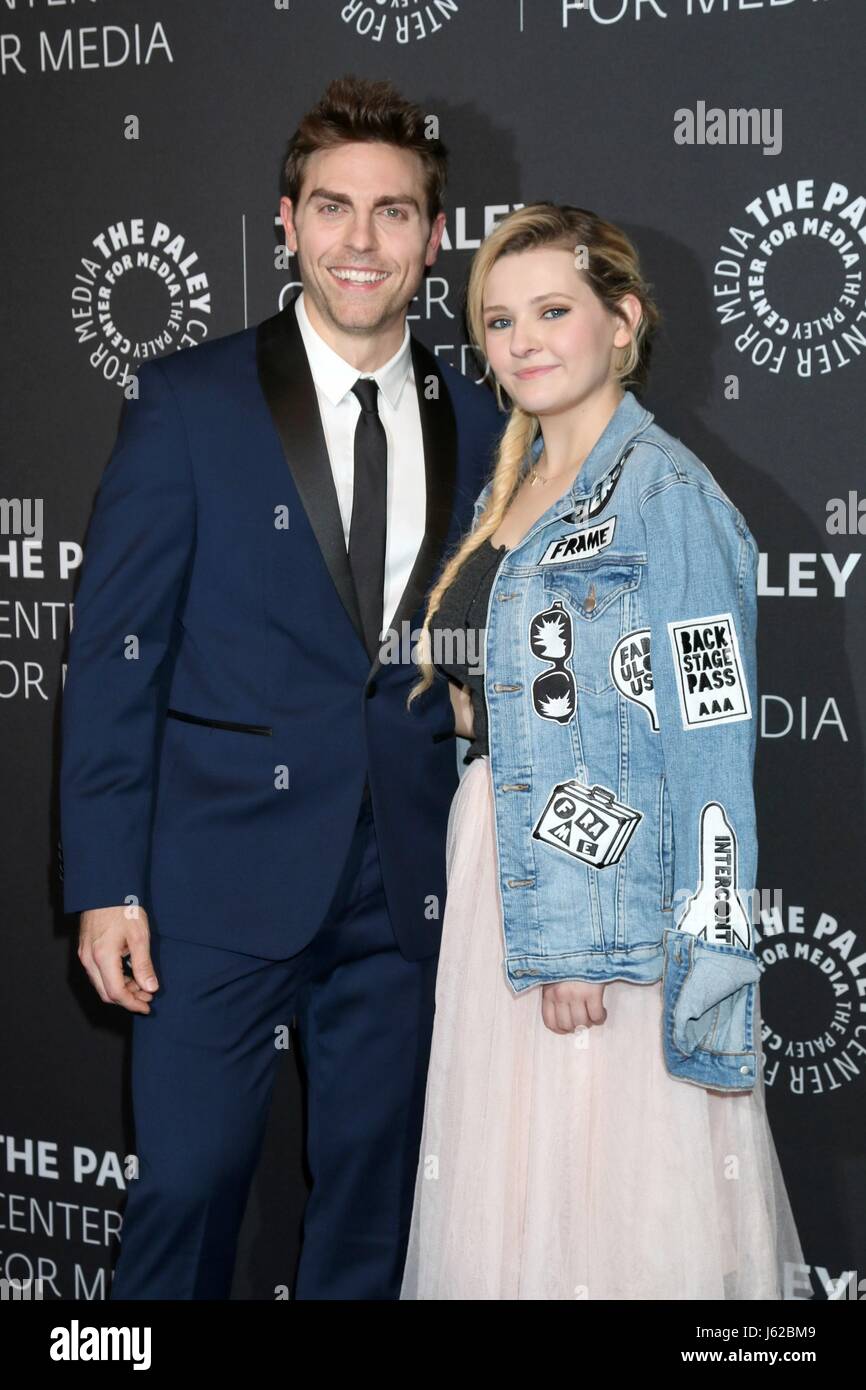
x=788 y=279
x=139 y=292
x=409 y=22
x=812 y=1028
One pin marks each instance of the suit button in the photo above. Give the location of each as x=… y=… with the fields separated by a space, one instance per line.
x=370 y=690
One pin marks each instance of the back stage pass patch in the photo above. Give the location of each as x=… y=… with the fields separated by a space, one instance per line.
x=710 y=676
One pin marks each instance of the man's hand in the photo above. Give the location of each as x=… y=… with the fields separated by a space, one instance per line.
x=106 y=935
x=571 y=1004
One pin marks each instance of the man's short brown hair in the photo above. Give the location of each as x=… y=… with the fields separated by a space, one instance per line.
x=362 y=109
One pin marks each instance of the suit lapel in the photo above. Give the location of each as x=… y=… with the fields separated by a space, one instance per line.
x=288 y=387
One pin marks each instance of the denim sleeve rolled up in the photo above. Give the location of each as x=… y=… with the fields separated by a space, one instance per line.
x=620 y=687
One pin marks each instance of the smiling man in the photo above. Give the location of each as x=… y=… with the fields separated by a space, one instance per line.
x=361 y=250
x=251 y=817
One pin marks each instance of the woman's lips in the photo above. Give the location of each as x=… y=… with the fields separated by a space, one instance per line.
x=529 y=372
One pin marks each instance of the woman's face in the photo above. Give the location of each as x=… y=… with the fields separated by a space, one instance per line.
x=549 y=340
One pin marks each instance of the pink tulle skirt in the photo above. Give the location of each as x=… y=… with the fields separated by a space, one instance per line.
x=573 y=1166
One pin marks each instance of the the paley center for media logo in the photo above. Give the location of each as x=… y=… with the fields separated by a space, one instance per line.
x=787 y=283
x=139 y=291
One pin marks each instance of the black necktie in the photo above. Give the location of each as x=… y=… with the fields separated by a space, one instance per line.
x=369 y=513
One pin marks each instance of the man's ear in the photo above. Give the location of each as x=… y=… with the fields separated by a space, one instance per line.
x=287 y=217
x=434 y=241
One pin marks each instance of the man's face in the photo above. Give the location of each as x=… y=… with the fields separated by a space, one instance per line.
x=361 y=234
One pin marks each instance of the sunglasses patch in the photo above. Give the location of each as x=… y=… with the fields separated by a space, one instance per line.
x=551 y=639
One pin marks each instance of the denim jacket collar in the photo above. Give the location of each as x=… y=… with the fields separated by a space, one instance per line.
x=628 y=420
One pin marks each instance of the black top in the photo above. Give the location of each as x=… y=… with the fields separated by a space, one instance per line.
x=457 y=634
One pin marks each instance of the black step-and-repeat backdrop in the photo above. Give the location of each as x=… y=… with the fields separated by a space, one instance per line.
x=726 y=136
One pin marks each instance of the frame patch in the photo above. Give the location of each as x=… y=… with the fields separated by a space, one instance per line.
x=587 y=541
x=711 y=680
x=586 y=822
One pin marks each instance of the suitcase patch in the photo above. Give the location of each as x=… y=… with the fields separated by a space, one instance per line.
x=587 y=823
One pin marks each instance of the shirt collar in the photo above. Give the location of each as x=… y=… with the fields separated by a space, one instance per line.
x=629 y=418
x=335 y=377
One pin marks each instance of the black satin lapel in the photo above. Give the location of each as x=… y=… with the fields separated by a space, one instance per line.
x=288 y=387
x=439 y=432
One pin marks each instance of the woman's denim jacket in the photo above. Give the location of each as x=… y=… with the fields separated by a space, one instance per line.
x=620 y=684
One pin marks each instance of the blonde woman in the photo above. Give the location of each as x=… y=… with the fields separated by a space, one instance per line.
x=595 y=1123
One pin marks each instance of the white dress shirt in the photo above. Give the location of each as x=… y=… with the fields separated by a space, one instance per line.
x=339 y=408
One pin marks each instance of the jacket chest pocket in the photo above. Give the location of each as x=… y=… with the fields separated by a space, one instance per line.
x=599 y=599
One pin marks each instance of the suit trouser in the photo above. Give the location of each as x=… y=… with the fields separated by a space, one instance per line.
x=203 y=1069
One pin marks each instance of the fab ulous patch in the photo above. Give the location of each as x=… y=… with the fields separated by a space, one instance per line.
x=586 y=822
x=710 y=677
x=551 y=638
x=588 y=541
x=631 y=671
x=715 y=912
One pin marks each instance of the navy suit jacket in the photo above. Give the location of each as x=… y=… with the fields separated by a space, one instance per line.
x=220 y=712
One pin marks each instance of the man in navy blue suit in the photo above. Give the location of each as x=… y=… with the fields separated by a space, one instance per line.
x=252 y=821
